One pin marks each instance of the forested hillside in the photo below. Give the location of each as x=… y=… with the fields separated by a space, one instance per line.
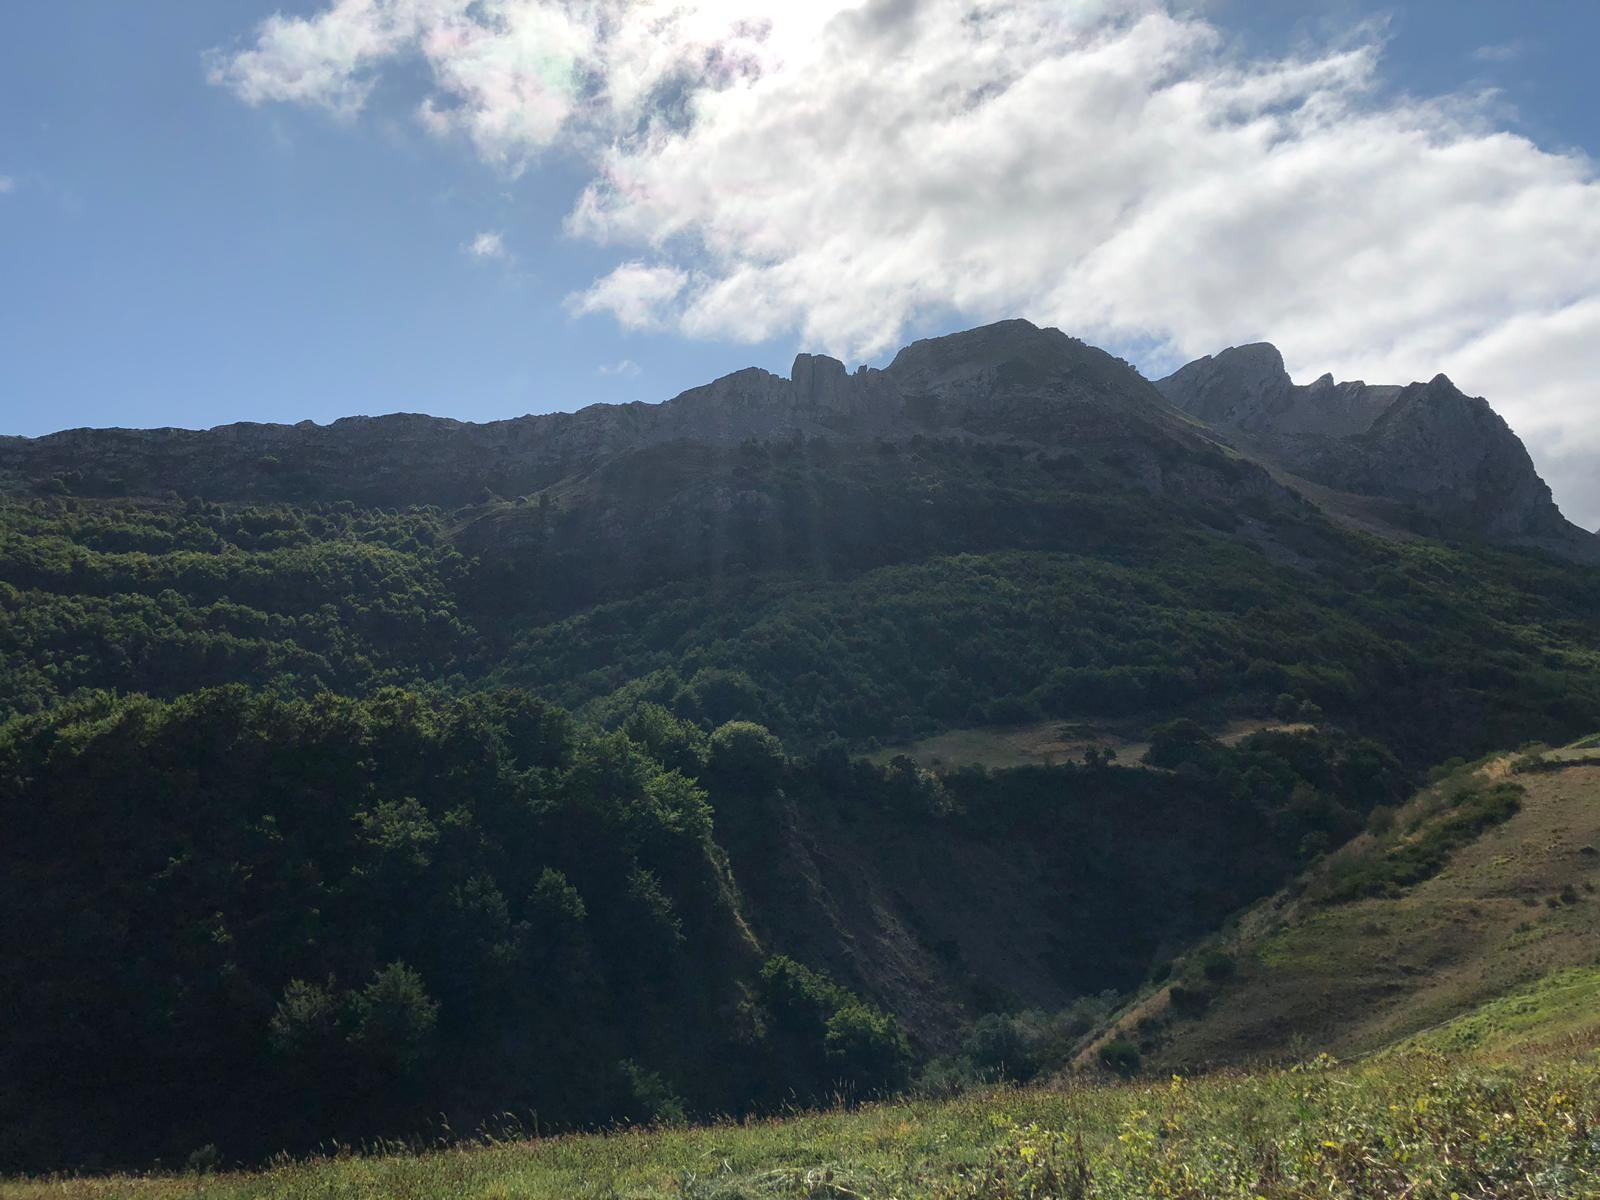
x=323 y=816
x=377 y=911
x=1439 y=649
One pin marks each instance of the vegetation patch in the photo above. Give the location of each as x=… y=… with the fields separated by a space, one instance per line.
x=1422 y=854
x=1563 y=1004
x=1409 y=1125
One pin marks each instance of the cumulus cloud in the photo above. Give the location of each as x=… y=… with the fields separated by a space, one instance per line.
x=625 y=369
x=638 y=295
x=841 y=171
x=487 y=245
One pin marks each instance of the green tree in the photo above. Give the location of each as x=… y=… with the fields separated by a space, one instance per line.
x=393 y=1019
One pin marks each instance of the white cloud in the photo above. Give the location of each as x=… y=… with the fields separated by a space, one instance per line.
x=625 y=369
x=487 y=245
x=7 y=185
x=842 y=171
x=329 y=59
x=1499 y=52
x=639 y=296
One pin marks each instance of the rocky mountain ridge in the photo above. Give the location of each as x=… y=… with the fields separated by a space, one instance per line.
x=982 y=382
x=1444 y=462
x=1448 y=459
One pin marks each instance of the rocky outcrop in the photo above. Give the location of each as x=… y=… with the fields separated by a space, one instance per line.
x=1449 y=460
x=1247 y=388
x=1445 y=461
x=1008 y=381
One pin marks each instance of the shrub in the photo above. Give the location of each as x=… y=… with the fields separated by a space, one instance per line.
x=1188 y=1000
x=675 y=743
x=1178 y=742
x=1429 y=846
x=1122 y=1057
x=305 y=1026
x=867 y=1048
x=1012 y=710
x=998 y=1047
x=647 y=1100
x=849 y=1042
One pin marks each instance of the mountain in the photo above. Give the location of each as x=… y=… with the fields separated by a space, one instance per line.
x=1437 y=461
x=1451 y=463
x=1007 y=380
x=352 y=774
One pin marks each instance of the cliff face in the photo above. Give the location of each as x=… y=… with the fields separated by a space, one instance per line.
x=1448 y=459
x=1247 y=388
x=1445 y=461
x=1010 y=381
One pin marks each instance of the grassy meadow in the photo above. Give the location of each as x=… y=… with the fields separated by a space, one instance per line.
x=1415 y=1124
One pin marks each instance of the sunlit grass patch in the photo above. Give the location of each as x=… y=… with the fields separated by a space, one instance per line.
x=1417 y=1124
x=1564 y=1004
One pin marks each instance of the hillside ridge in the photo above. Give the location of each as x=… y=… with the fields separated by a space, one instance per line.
x=1449 y=459
x=1358 y=954
x=1436 y=461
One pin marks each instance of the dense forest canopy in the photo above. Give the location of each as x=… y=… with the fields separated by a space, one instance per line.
x=259 y=922
x=1439 y=649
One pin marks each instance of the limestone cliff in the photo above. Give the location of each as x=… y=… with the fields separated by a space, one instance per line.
x=1450 y=462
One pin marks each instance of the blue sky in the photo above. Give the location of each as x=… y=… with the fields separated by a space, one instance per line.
x=192 y=233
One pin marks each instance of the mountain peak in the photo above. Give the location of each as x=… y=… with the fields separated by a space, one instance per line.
x=818 y=379
x=1447 y=456
x=1262 y=356
x=1232 y=387
x=985 y=345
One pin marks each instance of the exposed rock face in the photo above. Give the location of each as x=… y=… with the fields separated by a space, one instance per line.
x=1447 y=457
x=1010 y=380
x=1247 y=388
x=1443 y=457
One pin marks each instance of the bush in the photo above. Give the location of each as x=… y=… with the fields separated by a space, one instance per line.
x=867 y=1049
x=1188 y=1000
x=847 y=1041
x=1122 y=1057
x=1178 y=742
x=1426 y=850
x=1217 y=965
x=305 y=1026
x=998 y=1047
x=1012 y=710
x=647 y=1100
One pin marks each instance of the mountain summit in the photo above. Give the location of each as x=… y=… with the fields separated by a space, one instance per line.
x=1425 y=457
x=1448 y=460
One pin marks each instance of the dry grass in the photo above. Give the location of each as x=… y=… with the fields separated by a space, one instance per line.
x=1516 y=904
x=1049 y=743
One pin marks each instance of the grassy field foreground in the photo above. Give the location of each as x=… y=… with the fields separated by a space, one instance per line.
x=1417 y=1125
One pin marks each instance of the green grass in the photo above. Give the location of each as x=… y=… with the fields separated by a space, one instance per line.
x=1424 y=854
x=1562 y=1004
x=1419 y=1125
